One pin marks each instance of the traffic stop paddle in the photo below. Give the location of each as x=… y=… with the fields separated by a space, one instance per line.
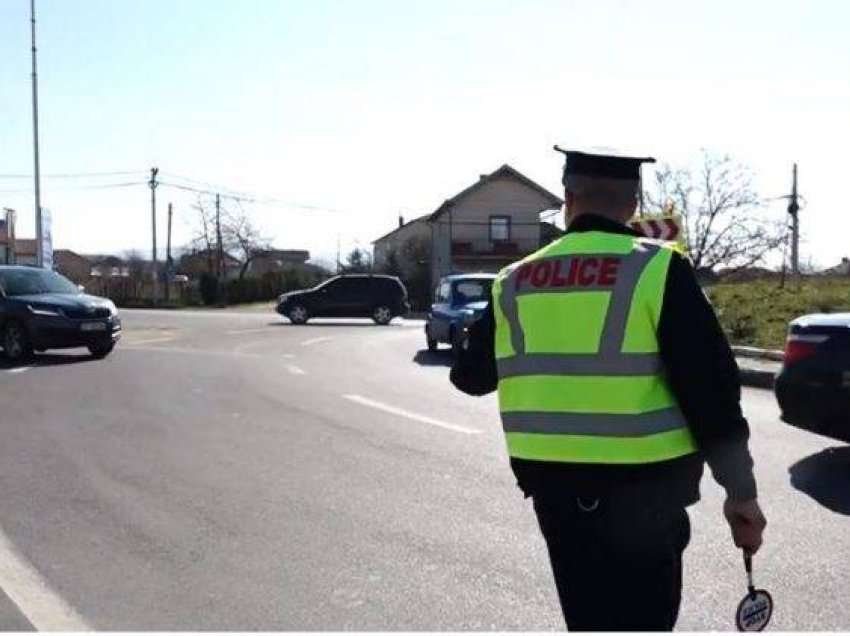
x=755 y=610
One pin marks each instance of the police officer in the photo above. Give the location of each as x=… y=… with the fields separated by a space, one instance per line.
x=615 y=384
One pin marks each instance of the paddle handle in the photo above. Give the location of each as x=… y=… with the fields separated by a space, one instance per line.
x=748 y=566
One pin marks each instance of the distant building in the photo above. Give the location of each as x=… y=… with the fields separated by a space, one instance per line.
x=72 y=265
x=25 y=252
x=394 y=242
x=104 y=267
x=195 y=264
x=274 y=260
x=493 y=222
x=842 y=269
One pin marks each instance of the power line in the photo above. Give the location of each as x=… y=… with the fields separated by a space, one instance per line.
x=206 y=184
x=75 y=175
x=102 y=186
x=248 y=198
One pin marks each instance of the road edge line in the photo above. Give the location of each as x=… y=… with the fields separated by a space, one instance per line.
x=31 y=594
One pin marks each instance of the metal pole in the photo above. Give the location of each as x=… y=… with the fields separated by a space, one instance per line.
x=793 y=210
x=168 y=258
x=9 y=213
x=220 y=247
x=153 y=184
x=39 y=256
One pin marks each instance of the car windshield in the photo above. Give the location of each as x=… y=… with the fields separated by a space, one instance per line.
x=470 y=291
x=35 y=281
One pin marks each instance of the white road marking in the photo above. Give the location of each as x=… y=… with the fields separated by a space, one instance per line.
x=295 y=370
x=307 y=343
x=29 y=591
x=237 y=332
x=200 y=352
x=18 y=369
x=151 y=340
x=413 y=416
x=210 y=313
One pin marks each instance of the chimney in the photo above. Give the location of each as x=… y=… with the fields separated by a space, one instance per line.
x=400 y=220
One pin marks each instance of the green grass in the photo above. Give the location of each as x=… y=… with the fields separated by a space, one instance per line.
x=757 y=313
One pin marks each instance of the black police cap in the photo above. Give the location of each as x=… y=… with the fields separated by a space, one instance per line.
x=611 y=166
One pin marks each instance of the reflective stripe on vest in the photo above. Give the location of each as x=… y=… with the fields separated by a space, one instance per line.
x=598 y=395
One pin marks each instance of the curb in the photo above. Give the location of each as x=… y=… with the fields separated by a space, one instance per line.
x=757 y=378
x=777 y=355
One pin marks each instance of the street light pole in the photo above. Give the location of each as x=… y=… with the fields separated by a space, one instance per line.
x=39 y=255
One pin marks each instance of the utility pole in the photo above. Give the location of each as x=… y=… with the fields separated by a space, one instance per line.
x=9 y=215
x=220 y=246
x=39 y=256
x=168 y=257
x=793 y=210
x=153 y=183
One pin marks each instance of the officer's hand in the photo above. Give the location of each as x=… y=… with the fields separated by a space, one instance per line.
x=746 y=522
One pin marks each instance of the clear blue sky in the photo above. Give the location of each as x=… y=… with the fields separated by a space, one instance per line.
x=375 y=108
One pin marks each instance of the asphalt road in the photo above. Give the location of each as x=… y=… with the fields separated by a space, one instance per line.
x=229 y=471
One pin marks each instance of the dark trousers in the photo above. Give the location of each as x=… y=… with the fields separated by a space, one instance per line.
x=617 y=560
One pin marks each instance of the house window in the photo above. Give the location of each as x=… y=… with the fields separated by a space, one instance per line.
x=500 y=228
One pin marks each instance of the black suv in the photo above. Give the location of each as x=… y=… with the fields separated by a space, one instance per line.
x=374 y=296
x=40 y=310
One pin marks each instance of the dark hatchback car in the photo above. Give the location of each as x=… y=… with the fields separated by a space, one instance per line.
x=376 y=296
x=813 y=388
x=41 y=310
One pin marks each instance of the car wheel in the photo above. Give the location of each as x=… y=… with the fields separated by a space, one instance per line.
x=432 y=344
x=382 y=315
x=298 y=315
x=102 y=349
x=16 y=344
x=455 y=337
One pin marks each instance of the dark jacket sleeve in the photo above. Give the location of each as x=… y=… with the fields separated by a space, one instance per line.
x=703 y=375
x=474 y=369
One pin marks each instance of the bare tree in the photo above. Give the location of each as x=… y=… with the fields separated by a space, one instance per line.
x=204 y=238
x=239 y=236
x=135 y=264
x=725 y=224
x=243 y=237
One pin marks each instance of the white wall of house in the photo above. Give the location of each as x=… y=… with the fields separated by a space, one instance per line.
x=394 y=241
x=470 y=217
x=469 y=222
x=441 y=255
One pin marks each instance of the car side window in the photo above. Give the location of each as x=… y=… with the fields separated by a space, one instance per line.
x=333 y=288
x=443 y=292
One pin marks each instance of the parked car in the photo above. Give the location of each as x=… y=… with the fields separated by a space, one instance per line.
x=813 y=388
x=459 y=300
x=41 y=310
x=376 y=296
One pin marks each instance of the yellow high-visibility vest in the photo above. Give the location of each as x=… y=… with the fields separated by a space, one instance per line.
x=580 y=376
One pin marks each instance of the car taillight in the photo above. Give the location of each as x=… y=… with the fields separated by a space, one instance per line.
x=798 y=347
